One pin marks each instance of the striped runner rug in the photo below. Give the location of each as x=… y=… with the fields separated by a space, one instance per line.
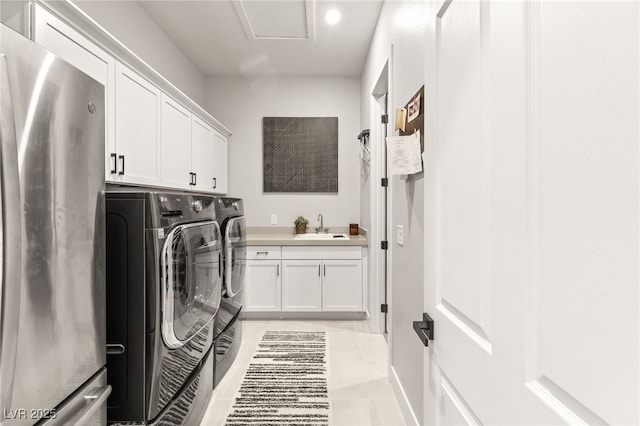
x=285 y=383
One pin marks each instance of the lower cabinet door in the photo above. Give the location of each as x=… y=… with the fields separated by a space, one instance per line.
x=301 y=285
x=342 y=288
x=262 y=291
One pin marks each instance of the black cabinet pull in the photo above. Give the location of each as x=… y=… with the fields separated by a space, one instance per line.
x=215 y=183
x=195 y=179
x=325 y=270
x=278 y=270
x=121 y=172
x=114 y=157
x=424 y=329
x=318 y=270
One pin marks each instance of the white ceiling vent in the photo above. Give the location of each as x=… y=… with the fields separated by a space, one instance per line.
x=277 y=19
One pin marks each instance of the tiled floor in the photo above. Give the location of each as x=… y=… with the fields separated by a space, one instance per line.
x=359 y=388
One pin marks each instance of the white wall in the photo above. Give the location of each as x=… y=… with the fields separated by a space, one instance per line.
x=134 y=28
x=402 y=25
x=241 y=103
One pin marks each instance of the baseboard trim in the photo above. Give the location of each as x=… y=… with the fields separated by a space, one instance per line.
x=401 y=396
x=302 y=315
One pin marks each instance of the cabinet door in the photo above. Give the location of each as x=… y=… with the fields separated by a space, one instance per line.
x=63 y=41
x=202 y=136
x=262 y=286
x=220 y=163
x=342 y=285
x=301 y=285
x=175 y=144
x=137 y=127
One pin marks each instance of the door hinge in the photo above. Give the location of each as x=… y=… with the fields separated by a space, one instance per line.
x=384 y=182
x=384 y=118
x=384 y=245
x=384 y=308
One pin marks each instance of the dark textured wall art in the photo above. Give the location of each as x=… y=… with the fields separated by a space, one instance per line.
x=300 y=154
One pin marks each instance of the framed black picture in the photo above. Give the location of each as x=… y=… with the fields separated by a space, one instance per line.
x=300 y=154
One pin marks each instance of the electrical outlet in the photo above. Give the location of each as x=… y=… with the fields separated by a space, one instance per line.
x=400 y=235
x=274 y=219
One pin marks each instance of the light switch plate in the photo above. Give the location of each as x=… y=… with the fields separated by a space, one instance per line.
x=274 y=219
x=400 y=235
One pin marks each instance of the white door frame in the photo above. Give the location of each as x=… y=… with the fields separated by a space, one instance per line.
x=377 y=208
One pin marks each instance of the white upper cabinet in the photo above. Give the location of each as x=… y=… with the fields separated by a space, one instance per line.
x=68 y=44
x=150 y=138
x=175 y=144
x=202 y=155
x=219 y=163
x=138 y=105
x=193 y=153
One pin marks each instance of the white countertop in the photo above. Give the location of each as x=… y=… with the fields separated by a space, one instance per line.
x=285 y=236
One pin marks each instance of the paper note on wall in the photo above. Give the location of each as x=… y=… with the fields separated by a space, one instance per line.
x=404 y=154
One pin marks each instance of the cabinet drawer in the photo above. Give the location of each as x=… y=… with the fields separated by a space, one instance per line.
x=263 y=252
x=321 y=252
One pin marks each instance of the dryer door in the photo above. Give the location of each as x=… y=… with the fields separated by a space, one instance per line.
x=235 y=255
x=191 y=270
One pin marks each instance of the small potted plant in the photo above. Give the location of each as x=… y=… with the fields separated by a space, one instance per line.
x=301 y=223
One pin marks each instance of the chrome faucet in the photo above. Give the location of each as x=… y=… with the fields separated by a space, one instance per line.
x=322 y=229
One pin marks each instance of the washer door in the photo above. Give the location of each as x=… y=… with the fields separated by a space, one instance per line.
x=191 y=270
x=235 y=255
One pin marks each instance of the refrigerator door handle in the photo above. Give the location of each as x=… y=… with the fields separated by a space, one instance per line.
x=11 y=235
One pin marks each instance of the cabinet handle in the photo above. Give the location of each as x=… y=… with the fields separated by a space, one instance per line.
x=114 y=157
x=195 y=179
x=262 y=252
x=325 y=270
x=278 y=270
x=121 y=172
x=319 y=270
x=215 y=183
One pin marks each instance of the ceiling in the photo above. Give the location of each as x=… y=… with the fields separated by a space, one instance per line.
x=269 y=38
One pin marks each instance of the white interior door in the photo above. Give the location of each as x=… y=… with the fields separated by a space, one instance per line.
x=531 y=200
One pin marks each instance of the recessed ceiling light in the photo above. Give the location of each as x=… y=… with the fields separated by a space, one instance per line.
x=332 y=17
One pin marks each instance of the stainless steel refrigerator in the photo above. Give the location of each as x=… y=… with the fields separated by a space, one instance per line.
x=52 y=299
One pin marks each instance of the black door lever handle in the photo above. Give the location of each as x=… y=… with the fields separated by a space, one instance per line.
x=424 y=329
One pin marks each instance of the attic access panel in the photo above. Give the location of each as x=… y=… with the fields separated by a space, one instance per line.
x=300 y=154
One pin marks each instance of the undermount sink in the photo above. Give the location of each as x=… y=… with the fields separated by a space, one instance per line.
x=311 y=236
